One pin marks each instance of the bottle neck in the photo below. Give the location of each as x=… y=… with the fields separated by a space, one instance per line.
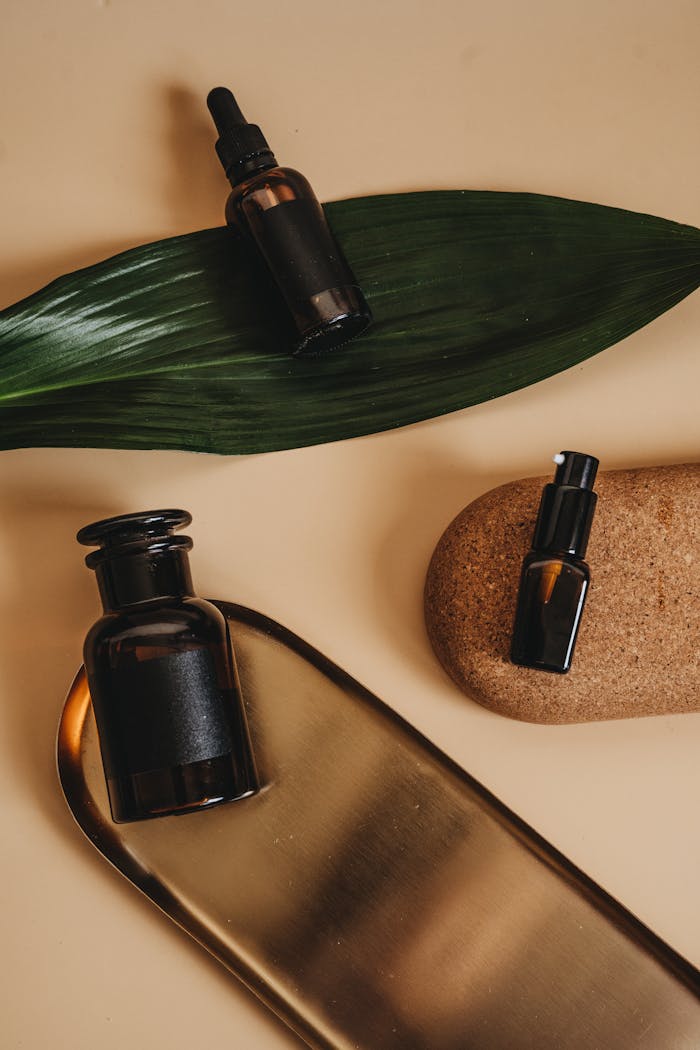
x=143 y=576
x=249 y=166
x=564 y=520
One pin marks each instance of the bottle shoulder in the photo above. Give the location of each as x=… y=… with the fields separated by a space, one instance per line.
x=539 y=561
x=273 y=177
x=183 y=616
x=268 y=188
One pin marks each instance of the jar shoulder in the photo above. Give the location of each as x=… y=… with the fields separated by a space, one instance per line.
x=185 y=618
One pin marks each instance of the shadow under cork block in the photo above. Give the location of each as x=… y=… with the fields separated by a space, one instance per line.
x=373 y=894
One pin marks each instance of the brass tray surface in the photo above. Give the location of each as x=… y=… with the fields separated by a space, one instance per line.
x=374 y=895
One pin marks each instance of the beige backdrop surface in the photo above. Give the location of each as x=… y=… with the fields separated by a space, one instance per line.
x=105 y=143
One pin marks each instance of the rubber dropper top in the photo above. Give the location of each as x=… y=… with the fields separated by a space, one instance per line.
x=224 y=109
x=242 y=147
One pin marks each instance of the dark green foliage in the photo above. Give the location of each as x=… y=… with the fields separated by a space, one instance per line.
x=475 y=294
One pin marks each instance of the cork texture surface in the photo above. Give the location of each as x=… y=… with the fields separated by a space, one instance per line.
x=638 y=648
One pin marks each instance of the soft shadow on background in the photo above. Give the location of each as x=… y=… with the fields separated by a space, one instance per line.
x=193 y=194
x=48 y=600
x=197 y=189
x=430 y=497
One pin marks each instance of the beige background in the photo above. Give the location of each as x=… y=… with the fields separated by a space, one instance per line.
x=105 y=143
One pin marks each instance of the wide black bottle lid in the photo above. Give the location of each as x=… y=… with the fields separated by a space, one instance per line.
x=567 y=506
x=147 y=530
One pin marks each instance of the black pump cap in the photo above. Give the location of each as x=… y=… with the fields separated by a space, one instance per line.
x=575 y=468
x=567 y=506
x=242 y=147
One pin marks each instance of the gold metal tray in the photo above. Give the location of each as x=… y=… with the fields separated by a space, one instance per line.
x=374 y=895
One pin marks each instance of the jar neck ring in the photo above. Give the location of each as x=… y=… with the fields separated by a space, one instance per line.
x=129 y=577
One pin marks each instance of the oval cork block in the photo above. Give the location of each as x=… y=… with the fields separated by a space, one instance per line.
x=638 y=648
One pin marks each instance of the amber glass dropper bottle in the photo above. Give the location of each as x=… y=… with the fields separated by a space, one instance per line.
x=555 y=578
x=162 y=675
x=278 y=213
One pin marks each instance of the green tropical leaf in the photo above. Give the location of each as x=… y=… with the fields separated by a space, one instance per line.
x=475 y=294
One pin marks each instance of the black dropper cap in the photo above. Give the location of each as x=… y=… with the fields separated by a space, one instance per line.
x=567 y=506
x=242 y=147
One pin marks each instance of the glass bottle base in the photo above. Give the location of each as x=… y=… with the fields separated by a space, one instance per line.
x=332 y=318
x=182 y=789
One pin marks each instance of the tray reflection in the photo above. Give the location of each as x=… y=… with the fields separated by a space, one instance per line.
x=374 y=895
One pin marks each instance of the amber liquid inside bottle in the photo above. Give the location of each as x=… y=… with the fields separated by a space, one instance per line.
x=164 y=685
x=550 y=603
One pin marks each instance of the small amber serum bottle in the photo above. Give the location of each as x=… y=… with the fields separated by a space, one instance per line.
x=555 y=578
x=278 y=213
x=162 y=675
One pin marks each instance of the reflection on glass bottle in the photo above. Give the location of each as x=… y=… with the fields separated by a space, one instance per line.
x=278 y=213
x=555 y=578
x=162 y=675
